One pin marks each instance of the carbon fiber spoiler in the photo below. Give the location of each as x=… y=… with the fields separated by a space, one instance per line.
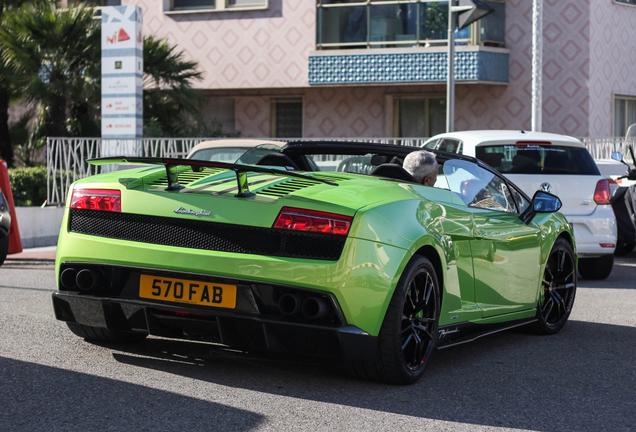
x=197 y=165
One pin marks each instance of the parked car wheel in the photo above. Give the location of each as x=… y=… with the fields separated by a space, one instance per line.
x=409 y=331
x=559 y=289
x=104 y=335
x=621 y=204
x=624 y=247
x=596 y=268
x=4 y=249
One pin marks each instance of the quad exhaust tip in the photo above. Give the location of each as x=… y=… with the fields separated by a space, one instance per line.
x=84 y=279
x=311 y=307
x=68 y=278
x=315 y=307
x=289 y=304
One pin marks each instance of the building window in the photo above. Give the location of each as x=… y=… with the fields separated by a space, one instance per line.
x=492 y=27
x=213 y=5
x=624 y=114
x=287 y=118
x=419 y=117
x=394 y=23
x=218 y=117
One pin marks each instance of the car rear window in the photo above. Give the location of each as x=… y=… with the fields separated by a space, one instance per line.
x=538 y=159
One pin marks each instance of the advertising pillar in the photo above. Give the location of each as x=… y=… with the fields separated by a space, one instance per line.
x=122 y=79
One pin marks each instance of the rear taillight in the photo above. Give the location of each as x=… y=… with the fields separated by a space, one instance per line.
x=96 y=199
x=602 y=194
x=313 y=221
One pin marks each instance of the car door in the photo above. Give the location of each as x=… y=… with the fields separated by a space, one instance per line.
x=505 y=251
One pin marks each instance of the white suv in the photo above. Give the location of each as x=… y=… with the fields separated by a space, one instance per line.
x=553 y=163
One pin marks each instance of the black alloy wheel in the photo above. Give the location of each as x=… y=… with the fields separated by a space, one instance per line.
x=409 y=331
x=558 y=289
x=419 y=319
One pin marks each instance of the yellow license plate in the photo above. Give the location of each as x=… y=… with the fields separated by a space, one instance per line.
x=187 y=291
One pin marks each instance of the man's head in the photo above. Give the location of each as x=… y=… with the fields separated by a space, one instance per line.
x=422 y=165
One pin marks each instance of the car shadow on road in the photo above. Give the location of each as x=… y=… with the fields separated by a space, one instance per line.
x=31 y=396
x=583 y=378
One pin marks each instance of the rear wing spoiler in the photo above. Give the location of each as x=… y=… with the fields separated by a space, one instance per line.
x=197 y=165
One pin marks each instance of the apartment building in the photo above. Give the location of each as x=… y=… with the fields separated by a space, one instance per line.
x=370 y=68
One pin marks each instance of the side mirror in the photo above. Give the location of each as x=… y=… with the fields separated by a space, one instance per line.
x=542 y=202
x=617 y=156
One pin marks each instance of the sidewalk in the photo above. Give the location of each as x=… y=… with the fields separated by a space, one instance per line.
x=42 y=254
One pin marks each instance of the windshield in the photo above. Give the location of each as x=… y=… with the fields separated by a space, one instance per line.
x=478 y=187
x=445 y=144
x=538 y=159
x=341 y=163
x=254 y=154
x=219 y=154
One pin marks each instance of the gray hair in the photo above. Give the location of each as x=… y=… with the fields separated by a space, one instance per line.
x=420 y=164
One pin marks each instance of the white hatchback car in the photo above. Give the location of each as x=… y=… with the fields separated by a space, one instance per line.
x=553 y=163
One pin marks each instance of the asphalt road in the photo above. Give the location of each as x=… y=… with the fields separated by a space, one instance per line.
x=582 y=379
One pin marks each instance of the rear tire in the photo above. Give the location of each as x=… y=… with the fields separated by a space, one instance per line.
x=596 y=268
x=623 y=248
x=4 y=248
x=104 y=335
x=409 y=332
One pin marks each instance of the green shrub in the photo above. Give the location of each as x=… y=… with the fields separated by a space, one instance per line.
x=28 y=185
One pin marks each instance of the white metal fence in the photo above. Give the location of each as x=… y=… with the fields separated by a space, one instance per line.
x=66 y=157
x=602 y=148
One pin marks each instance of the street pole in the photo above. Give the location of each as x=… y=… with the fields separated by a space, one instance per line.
x=469 y=11
x=537 y=64
x=450 y=82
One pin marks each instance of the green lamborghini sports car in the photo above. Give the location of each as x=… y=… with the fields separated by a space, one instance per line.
x=314 y=248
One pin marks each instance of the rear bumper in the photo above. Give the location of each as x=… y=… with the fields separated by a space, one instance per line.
x=593 y=230
x=240 y=332
x=258 y=319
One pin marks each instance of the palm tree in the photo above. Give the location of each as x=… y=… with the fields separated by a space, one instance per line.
x=170 y=102
x=7 y=89
x=52 y=54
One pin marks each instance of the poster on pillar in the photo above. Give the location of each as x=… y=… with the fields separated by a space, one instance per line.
x=122 y=72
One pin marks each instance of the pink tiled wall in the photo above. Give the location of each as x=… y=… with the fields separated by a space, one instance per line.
x=252 y=116
x=251 y=49
x=613 y=61
x=328 y=112
x=589 y=55
x=565 y=67
x=349 y=112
